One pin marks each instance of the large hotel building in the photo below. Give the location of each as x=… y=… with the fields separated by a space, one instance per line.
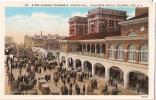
x=108 y=45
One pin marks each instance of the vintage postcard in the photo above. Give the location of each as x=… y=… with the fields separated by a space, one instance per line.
x=91 y=50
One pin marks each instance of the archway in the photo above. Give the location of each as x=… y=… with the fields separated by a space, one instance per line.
x=92 y=48
x=79 y=48
x=117 y=74
x=84 y=47
x=98 y=48
x=87 y=67
x=78 y=65
x=50 y=55
x=88 y=48
x=138 y=78
x=103 y=48
x=99 y=70
x=63 y=59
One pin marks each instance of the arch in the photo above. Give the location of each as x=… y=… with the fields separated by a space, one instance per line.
x=63 y=58
x=112 y=51
x=143 y=53
x=84 y=47
x=88 y=48
x=137 y=77
x=49 y=55
x=79 y=48
x=87 y=66
x=103 y=48
x=99 y=70
x=92 y=48
x=132 y=52
x=116 y=74
x=78 y=64
x=70 y=62
x=120 y=52
x=98 y=48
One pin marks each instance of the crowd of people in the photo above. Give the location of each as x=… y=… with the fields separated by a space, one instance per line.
x=26 y=59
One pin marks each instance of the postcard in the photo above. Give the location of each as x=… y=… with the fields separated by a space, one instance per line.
x=83 y=50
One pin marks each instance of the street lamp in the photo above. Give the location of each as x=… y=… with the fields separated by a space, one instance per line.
x=10 y=66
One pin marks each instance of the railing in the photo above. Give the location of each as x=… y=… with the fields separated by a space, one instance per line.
x=99 y=55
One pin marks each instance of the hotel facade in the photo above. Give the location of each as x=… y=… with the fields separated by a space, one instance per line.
x=109 y=46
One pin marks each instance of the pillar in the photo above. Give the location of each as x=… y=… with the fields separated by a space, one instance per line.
x=82 y=65
x=100 y=48
x=137 y=56
x=107 y=73
x=90 y=48
x=86 y=47
x=95 y=48
x=93 y=70
x=74 y=64
x=126 y=80
x=66 y=64
x=126 y=55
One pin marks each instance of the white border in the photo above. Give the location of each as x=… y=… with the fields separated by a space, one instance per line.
x=88 y=2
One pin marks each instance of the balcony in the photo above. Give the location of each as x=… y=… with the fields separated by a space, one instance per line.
x=99 y=55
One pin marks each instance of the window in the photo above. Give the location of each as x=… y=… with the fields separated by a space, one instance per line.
x=132 y=53
x=142 y=28
x=143 y=53
x=112 y=52
x=132 y=34
x=120 y=52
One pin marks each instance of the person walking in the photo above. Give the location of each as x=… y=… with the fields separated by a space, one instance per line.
x=78 y=90
x=70 y=91
x=138 y=88
x=65 y=90
x=84 y=89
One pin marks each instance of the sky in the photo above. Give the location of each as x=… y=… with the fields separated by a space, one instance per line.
x=54 y=20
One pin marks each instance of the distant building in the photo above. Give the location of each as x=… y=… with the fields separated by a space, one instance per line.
x=28 y=41
x=43 y=41
x=9 y=40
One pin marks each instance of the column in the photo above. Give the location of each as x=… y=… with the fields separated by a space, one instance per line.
x=107 y=73
x=74 y=64
x=95 y=48
x=86 y=47
x=90 y=48
x=93 y=70
x=125 y=55
x=100 y=48
x=126 y=80
x=82 y=65
x=137 y=56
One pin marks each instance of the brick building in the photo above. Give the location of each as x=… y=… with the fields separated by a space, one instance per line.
x=101 y=20
x=78 y=26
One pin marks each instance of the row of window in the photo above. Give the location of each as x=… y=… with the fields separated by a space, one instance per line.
x=133 y=53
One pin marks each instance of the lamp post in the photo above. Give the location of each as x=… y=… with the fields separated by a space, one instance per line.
x=10 y=66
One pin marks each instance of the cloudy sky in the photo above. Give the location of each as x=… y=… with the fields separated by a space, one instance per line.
x=54 y=20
